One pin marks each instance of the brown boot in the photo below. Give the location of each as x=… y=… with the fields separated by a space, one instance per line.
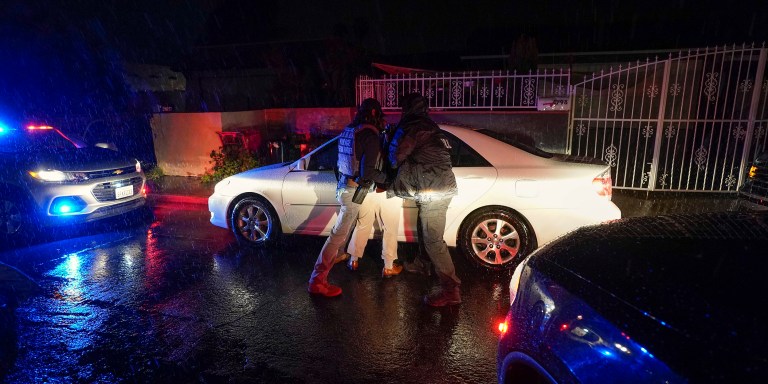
x=394 y=271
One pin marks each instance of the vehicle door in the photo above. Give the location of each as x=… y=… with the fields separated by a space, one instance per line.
x=309 y=192
x=474 y=176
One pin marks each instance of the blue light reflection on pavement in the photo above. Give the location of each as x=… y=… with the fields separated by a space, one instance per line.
x=176 y=303
x=62 y=326
x=110 y=308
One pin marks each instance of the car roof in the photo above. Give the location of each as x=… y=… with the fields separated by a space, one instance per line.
x=715 y=225
x=497 y=152
x=696 y=274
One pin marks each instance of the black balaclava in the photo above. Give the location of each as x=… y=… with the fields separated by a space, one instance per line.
x=414 y=104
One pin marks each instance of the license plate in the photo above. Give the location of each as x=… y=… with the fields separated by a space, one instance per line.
x=122 y=192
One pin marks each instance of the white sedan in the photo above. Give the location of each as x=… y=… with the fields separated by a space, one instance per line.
x=512 y=198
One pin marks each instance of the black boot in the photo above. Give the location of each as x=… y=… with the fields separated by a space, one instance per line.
x=443 y=296
x=418 y=266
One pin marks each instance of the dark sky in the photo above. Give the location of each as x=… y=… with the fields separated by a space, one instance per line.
x=486 y=26
x=73 y=49
x=394 y=27
x=159 y=30
x=166 y=31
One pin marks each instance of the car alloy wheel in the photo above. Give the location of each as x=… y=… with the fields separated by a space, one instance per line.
x=254 y=222
x=496 y=238
x=10 y=218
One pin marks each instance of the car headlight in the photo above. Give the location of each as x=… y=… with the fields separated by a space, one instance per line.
x=49 y=175
x=52 y=175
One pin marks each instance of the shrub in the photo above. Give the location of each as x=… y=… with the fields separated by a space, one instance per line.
x=155 y=174
x=227 y=161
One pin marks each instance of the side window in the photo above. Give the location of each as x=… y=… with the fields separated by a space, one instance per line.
x=464 y=156
x=325 y=158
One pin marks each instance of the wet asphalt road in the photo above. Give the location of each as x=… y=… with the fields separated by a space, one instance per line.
x=167 y=297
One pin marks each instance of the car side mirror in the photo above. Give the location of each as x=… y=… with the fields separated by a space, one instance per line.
x=106 y=145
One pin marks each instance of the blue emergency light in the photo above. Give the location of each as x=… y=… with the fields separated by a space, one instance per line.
x=67 y=204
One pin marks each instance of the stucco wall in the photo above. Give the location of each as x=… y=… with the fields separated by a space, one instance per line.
x=184 y=141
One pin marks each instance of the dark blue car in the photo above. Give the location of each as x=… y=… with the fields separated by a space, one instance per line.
x=666 y=299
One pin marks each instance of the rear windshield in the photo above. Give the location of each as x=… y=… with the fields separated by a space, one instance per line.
x=517 y=140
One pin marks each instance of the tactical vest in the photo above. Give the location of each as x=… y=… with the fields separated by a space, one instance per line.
x=349 y=161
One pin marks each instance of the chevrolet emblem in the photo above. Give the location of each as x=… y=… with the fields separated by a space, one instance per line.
x=117 y=171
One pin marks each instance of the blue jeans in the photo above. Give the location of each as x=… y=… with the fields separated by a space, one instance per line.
x=338 y=237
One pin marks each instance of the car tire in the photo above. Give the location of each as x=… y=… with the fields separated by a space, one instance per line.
x=12 y=213
x=496 y=238
x=255 y=223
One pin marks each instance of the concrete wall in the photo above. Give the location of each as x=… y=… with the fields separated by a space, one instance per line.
x=184 y=141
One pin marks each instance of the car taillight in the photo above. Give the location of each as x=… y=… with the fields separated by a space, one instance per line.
x=503 y=327
x=752 y=172
x=603 y=185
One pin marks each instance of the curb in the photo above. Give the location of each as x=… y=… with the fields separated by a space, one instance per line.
x=179 y=199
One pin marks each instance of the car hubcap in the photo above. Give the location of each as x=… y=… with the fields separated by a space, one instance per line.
x=10 y=217
x=495 y=241
x=254 y=223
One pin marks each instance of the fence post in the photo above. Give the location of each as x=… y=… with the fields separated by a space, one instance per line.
x=660 y=125
x=752 y=114
x=571 y=115
x=358 y=88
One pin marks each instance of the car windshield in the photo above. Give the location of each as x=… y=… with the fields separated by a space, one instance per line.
x=517 y=140
x=44 y=140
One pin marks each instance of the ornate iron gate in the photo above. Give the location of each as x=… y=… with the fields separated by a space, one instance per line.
x=691 y=122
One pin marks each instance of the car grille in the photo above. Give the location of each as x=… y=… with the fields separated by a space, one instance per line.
x=106 y=191
x=117 y=208
x=110 y=172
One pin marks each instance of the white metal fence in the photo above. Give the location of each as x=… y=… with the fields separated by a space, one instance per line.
x=467 y=90
x=687 y=123
x=690 y=122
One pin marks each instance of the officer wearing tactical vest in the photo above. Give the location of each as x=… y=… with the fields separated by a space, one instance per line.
x=359 y=162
